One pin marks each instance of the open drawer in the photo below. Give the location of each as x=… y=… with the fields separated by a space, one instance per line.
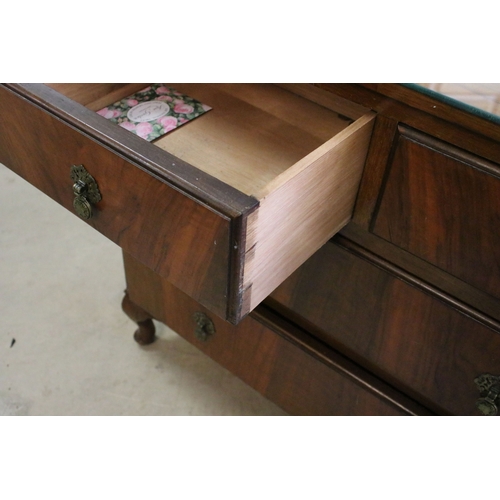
x=225 y=207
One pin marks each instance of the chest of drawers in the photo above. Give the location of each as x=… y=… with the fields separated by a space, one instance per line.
x=230 y=232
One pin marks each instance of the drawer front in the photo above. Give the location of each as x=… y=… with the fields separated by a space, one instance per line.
x=179 y=238
x=226 y=247
x=443 y=205
x=277 y=359
x=416 y=342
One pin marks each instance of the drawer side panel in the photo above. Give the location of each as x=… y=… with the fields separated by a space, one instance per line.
x=302 y=209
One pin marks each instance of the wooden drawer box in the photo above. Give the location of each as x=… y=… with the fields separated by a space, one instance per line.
x=227 y=206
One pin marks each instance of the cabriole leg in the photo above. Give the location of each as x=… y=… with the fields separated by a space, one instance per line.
x=145 y=334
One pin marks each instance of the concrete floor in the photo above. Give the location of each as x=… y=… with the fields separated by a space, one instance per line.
x=66 y=347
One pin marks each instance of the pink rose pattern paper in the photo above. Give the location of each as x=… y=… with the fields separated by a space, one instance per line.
x=166 y=109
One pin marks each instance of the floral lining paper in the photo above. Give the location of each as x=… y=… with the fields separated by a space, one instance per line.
x=154 y=111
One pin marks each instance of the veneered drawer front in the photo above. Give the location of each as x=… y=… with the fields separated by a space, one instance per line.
x=179 y=238
x=417 y=342
x=443 y=205
x=271 y=355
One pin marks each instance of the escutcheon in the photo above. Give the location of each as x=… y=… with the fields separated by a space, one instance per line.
x=85 y=190
x=204 y=326
x=489 y=388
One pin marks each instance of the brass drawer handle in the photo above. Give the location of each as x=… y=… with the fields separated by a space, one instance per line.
x=85 y=190
x=489 y=388
x=204 y=326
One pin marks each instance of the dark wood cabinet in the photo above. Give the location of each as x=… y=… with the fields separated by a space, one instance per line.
x=401 y=333
x=442 y=204
x=360 y=271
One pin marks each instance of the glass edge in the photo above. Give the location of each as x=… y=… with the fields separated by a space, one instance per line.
x=453 y=102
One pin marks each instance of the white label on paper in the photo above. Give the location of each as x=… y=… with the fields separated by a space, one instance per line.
x=148 y=111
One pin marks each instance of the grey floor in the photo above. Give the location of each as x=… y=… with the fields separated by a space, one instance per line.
x=66 y=348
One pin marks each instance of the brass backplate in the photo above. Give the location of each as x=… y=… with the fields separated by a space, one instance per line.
x=204 y=326
x=489 y=388
x=85 y=190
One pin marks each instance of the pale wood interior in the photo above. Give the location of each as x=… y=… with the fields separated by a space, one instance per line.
x=311 y=203
x=251 y=137
x=298 y=150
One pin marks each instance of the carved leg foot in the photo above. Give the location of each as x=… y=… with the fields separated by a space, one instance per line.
x=145 y=334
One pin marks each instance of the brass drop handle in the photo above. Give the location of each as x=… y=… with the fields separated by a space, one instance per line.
x=489 y=388
x=204 y=326
x=85 y=190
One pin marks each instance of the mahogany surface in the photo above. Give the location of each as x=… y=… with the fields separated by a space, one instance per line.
x=423 y=346
x=443 y=205
x=163 y=209
x=278 y=359
x=145 y=333
x=162 y=227
x=424 y=113
x=398 y=314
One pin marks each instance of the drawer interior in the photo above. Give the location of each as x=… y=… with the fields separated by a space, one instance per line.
x=299 y=151
x=253 y=134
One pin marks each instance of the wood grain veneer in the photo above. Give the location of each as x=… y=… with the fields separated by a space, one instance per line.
x=278 y=359
x=396 y=321
x=408 y=337
x=176 y=236
x=300 y=160
x=443 y=205
x=442 y=121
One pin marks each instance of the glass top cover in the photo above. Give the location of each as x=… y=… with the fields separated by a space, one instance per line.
x=481 y=99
